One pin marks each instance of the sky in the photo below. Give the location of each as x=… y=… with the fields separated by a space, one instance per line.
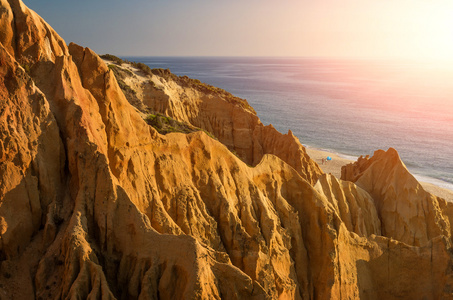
x=321 y=28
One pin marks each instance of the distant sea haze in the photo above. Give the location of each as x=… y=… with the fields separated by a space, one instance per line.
x=351 y=107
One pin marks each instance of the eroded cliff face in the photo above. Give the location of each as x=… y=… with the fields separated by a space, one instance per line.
x=408 y=213
x=230 y=119
x=94 y=203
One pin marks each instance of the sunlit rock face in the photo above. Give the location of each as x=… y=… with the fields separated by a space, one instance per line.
x=408 y=213
x=230 y=119
x=95 y=203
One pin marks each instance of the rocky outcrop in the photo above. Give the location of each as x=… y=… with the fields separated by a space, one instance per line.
x=94 y=203
x=26 y=37
x=31 y=158
x=230 y=119
x=408 y=213
x=354 y=205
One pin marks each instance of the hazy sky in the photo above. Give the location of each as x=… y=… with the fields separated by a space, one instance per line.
x=351 y=28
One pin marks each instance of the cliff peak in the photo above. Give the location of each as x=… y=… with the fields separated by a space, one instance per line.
x=400 y=199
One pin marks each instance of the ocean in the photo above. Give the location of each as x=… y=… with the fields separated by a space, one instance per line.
x=350 y=107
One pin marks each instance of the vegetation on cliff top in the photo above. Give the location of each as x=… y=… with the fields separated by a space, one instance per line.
x=113 y=58
x=184 y=81
x=165 y=124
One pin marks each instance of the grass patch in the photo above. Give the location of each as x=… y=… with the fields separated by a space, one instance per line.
x=113 y=58
x=125 y=88
x=120 y=73
x=26 y=68
x=164 y=124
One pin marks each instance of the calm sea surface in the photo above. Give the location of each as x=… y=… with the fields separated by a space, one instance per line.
x=351 y=107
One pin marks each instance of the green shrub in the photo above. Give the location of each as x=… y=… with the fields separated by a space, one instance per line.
x=26 y=68
x=164 y=124
x=112 y=58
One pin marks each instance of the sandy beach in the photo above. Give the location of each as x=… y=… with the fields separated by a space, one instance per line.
x=334 y=167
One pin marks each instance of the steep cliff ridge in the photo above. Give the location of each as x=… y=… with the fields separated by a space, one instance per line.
x=26 y=37
x=122 y=181
x=97 y=204
x=31 y=157
x=354 y=205
x=228 y=118
x=407 y=212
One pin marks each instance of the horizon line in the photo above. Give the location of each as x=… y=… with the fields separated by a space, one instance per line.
x=405 y=58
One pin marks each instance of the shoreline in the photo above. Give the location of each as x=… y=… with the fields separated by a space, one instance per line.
x=334 y=167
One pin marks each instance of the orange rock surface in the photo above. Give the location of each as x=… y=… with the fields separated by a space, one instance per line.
x=233 y=123
x=94 y=203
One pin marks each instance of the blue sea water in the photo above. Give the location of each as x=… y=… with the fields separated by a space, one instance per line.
x=351 y=107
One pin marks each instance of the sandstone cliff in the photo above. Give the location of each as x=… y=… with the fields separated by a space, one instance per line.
x=408 y=213
x=94 y=203
x=228 y=118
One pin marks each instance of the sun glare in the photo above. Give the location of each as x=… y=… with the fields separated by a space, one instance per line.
x=434 y=33
x=414 y=29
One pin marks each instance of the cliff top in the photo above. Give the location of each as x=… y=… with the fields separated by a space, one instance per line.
x=184 y=81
